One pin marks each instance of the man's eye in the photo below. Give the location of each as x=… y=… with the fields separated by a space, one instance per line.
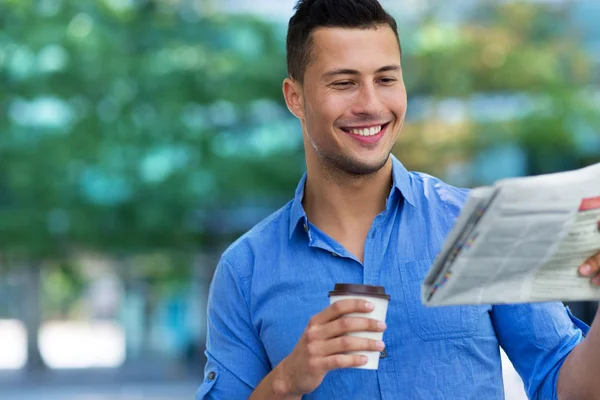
x=387 y=80
x=342 y=84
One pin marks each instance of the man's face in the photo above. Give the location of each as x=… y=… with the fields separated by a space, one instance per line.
x=354 y=98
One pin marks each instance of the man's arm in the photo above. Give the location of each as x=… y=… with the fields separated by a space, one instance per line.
x=579 y=377
x=238 y=366
x=537 y=337
x=236 y=358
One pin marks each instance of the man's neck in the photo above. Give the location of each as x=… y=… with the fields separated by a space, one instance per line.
x=339 y=202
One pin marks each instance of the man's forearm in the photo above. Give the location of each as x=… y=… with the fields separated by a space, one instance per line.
x=273 y=387
x=579 y=377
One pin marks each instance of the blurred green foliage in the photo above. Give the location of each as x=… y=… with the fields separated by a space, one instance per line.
x=138 y=126
x=516 y=74
x=124 y=127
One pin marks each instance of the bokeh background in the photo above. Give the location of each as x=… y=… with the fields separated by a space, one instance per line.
x=138 y=138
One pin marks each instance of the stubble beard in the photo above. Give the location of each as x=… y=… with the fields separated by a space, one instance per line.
x=340 y=164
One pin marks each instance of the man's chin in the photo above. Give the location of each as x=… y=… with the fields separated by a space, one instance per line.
x=361 y=167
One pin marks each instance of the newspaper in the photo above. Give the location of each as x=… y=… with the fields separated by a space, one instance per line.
x=520 y=241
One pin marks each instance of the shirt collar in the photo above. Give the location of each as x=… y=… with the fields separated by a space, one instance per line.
x=401 y=183
x=297 y=212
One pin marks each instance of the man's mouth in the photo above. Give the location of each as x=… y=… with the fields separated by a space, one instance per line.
x=366 y=131
x=367 y=135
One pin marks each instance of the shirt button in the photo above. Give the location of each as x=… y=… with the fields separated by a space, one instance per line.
x=212 y=376
x=305 y=228
x=383 y=354
x=334 y=254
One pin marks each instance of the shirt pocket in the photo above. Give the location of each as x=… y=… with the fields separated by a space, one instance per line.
x=210 y=377
x=434 y=323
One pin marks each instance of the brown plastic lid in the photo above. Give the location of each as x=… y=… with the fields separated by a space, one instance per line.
x=348 y=289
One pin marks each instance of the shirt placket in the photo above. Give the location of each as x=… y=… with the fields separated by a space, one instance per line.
x=375 y=244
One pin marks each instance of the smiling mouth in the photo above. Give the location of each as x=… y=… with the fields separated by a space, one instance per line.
x=370 y=131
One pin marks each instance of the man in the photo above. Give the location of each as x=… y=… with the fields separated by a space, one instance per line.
x=360 y=217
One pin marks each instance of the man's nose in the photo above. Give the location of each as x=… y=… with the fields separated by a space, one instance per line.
x=367 y=102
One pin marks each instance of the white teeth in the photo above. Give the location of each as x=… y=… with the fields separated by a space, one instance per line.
x=367 y=132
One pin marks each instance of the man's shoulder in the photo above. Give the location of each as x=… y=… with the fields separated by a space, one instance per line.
x=265 y=233
x=435 y=190
x=439 y=203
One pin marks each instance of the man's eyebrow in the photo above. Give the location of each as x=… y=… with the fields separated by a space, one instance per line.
x=395 y=67
x=346 y=71
x=341 y=71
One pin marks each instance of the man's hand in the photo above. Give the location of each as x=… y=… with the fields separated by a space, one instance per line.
x=591 y=268
x=322 y=346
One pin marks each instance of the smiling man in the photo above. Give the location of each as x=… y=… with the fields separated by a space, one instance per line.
x=359 y=216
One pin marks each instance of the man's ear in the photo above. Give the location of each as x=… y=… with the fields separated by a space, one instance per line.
x=292 y=92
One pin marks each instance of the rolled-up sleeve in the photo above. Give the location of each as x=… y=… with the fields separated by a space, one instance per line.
x=237 y=361
x=537 y=338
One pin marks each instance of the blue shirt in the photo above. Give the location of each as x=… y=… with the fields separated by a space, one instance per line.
x=270 y=282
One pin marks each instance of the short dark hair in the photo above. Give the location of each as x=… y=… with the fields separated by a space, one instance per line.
x=313 y=14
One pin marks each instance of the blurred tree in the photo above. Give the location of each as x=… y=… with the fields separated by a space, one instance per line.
x=513 y=74
x=127 y=127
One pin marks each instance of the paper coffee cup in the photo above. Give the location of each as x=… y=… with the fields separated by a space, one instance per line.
x=372 y=294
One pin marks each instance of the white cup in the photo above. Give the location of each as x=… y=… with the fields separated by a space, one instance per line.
x=373 y=294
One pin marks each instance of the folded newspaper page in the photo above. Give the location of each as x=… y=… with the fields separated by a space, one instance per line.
x=520 y=241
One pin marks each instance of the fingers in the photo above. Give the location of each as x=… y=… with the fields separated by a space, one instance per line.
x=338 y=361
x=340 y=308
x=343 y=344
x=591 y=268
x=326 y=343
x=344 y=325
